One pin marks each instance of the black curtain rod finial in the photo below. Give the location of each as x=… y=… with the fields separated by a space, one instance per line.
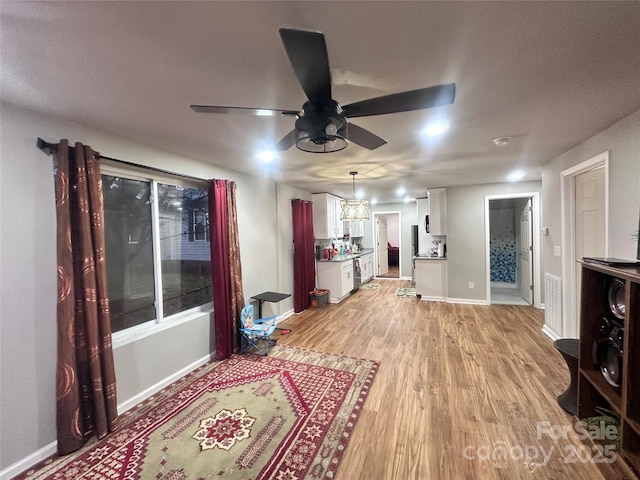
x=50 y=148
x=46 y=147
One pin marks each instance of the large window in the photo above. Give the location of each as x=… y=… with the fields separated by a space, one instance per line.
x=157 y=249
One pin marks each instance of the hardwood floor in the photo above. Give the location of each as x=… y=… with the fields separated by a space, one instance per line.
x=392 y=272
x=462 y=392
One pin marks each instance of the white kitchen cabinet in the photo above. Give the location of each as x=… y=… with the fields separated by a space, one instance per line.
x=366 y=264
x=430 y=276
x=438 y=211
x=337 y=277
x=423 y=207
x=326 y=216
x=354 y=228
x=431 y=209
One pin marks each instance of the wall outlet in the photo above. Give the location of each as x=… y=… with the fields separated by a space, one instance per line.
x=557 y=251
x=471 y=286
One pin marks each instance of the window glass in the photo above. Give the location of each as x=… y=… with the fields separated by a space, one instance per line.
x=183 y=266
x=184 y=248
x=128 y=251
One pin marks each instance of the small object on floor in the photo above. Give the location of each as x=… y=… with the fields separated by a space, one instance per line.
x=286 y=332
x=406 y=292
x=318 y=297
x=370 y=285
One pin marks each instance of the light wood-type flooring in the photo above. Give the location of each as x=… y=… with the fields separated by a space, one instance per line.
x=463 y=391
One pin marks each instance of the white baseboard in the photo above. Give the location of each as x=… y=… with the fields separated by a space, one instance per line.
x=468 y=301
x=153 y=389
x=29 y=461
x=285 y=315
x=45 y=452
x=503 y=285
x=432 y=299
x=550 y=333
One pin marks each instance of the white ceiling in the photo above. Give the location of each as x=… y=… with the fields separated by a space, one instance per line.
x=548 y=74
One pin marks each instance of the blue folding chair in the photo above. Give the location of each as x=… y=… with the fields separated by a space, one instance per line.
x=256 y=333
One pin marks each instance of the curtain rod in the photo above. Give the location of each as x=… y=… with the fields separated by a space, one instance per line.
x=49 y=148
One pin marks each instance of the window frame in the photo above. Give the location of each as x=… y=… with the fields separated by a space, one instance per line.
x=160 y=323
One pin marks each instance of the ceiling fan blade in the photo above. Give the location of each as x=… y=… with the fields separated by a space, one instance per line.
x=364 y=138
x=288 y=141
x=307 y=53
x=403 y=102
x=261 y=112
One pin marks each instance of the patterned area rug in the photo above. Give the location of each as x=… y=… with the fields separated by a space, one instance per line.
x=288 y=416
x=370 y=285
x=406 y=292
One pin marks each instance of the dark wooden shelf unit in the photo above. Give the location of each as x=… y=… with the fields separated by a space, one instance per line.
x=593 y=390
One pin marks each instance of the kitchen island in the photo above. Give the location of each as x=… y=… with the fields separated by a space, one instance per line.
x=430 y=277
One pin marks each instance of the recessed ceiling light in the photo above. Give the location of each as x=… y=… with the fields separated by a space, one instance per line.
x=267 y=156
x=373 y=201
x=400 y=192
x=435 y=129
x=516 y=176
x=501 y=141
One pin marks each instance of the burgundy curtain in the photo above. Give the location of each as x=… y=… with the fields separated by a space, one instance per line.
x=226 y=273
x=304 y=264
x=85 y=375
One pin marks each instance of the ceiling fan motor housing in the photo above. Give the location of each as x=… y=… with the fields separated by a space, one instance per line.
x=321 y=128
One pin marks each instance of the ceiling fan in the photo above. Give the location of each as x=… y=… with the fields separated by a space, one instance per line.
x=322 y=126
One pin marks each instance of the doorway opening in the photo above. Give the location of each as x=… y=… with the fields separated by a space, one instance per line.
x=387 y=241
x=513 y=251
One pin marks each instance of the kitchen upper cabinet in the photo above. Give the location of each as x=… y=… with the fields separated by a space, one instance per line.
x=354 y=228
x=433 y=209
x=326 y=216
x=438 y=211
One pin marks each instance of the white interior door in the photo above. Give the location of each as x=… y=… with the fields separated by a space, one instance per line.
x=590 y=220
x=525 y=255
x=383 y=252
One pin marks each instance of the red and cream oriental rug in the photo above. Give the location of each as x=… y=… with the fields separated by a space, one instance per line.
x=286 y=416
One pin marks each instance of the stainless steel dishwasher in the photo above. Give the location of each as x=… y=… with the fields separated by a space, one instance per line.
x=357 y=273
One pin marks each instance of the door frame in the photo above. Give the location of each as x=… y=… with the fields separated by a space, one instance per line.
x=525 y=291
x=535 y=238
x=374 y=235
x=567 y=218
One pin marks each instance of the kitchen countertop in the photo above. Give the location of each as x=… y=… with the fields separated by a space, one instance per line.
x=344 y=258
x=429 y=257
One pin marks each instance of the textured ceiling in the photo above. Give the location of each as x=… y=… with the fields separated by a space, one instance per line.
x=547 y=74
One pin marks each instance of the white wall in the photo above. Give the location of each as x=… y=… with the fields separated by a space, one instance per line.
x=28 y=275
x=393 y=230
x=466 y=248
x=622 y=140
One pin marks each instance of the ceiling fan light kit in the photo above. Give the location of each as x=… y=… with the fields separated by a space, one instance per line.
x=323 y=125
x=321 y=129
x=354 y=210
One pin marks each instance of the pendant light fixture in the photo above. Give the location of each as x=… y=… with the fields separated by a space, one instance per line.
x=354 y=210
